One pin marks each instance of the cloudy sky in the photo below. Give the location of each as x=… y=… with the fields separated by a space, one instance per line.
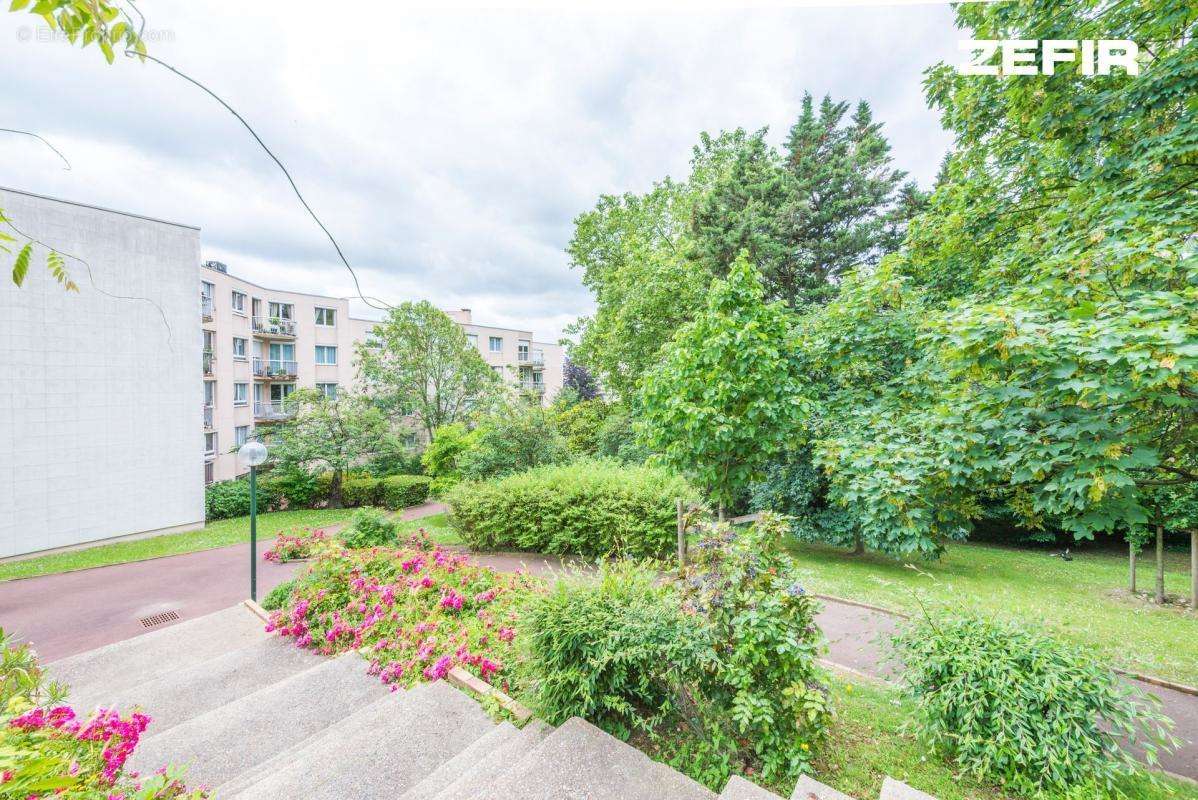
x=449 y=151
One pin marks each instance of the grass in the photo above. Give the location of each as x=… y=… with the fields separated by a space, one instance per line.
x=866 y=743
x=435 y=525
x=1083 y=601
x=218 y=534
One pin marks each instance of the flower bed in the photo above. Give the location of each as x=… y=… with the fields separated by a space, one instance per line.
x=296 y=546
x=415 y=612
x=47 y=750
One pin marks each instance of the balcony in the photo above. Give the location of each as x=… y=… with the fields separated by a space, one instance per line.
x=533 y=386
x=273 y=410
x=275 y=369
x=536 y=358
x=274 y=327
x=208 y=418
x=209 y=361
x=207 y=308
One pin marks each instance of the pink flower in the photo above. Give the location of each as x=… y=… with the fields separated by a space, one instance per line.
x=440 y=669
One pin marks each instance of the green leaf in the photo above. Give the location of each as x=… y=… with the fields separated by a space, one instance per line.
x=20 y=267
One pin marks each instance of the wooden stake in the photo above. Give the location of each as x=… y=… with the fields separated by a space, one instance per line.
x=1160 y=564
x=681 y=537
x=1131 y=569
x=1194 y=569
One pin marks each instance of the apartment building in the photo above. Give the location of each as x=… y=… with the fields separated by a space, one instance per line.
x=260 y=345
x=98 y=406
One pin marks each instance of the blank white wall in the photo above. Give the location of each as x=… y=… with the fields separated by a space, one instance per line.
x=100 y=398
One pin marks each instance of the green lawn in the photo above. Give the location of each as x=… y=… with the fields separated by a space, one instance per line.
x=436 y=526
x=1083 y=600
x=866 y=743
x=218 y=534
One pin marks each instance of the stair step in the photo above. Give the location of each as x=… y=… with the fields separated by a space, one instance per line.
x=188 y=692
x=152 y=655
x=897 y=790
x=581 y=762
x=388 y=754
x=809 y=788
x=454 y=768
x=228 y=740
x=495 y=764
x=738 y=788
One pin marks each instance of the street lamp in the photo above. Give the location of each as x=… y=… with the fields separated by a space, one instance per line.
x=253 y=454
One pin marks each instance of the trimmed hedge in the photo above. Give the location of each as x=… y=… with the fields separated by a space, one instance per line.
x=401 y=491
x=360 y=491
x=228 y=499
x=592 y=508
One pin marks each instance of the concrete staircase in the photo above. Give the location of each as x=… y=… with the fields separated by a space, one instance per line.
x=258 y=719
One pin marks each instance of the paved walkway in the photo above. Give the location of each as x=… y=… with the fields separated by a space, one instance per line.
x=77 y=611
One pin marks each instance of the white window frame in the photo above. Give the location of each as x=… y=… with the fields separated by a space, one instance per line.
x=286 y=310
x=241 y=435
x=492 y=341
x=324 y=389
x=245 y=348
x=329 y=313
x=238 y=309
x=327 y=349
x=473 y=339
x=244 y=399
x=215 y=444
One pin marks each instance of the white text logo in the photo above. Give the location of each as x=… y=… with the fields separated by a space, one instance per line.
x=1096 y=57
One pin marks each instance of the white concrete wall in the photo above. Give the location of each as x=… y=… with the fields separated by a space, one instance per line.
x=99 y=399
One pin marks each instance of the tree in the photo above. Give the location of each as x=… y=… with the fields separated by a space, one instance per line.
x=579 y=380
x=418 y=361
x=727 y=395
x=1056 y=364
x=513 y=440
x=83 y=22
x=332 y=434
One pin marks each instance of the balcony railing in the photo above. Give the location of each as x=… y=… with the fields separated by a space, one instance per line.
x=273 y=409
x=207 y=307
x=533 y=386
x=209 y=360
x=208 y=417
x=274 y=326
x=275 y=368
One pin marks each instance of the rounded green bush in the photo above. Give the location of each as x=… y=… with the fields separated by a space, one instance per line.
x=228 y=499
x=360 y=491
x=368 y=527
x=591 y=508
x=279 y=596
x=402 y=491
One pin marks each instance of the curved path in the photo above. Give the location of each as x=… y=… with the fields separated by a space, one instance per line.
x=76 y=611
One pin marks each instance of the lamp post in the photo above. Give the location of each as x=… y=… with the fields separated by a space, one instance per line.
x=253 y=454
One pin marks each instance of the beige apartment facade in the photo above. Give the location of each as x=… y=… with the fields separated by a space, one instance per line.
x=260 y=345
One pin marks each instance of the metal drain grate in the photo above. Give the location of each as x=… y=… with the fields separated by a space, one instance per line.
x=159 y=619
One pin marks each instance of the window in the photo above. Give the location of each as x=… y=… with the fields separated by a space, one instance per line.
x=329 y=390
x=239 y=348
x=326 y=316
x=281 y=391
x=241 y=434
x=241 y=394
x=473 y=339
x=210 y=444
x=207 y=289
x=239 y=301
x=326 y=354
x=281 y=310
x=496 y=344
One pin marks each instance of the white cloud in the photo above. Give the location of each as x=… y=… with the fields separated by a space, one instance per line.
x=447 y=150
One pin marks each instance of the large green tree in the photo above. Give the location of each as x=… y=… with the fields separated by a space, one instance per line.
x=727 y=395
x=1056 y=358
x=329 y=434
x=418 y=361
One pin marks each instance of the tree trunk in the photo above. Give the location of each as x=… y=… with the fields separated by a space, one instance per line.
x=1194 y=569
x=1160 y=564
x=335 y=490
x=858 y=545
x=722 y=514
x=1131 y=566
x=681 y=538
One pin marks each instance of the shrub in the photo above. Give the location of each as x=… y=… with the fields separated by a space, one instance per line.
x=580 y=423
x=764 y=685
x=797 y=488
x=613 y=650
x=279 y=596
x=300 y=543
x=1021 y=709
x=368 y=527
x=418 y=612
x=616 y=438
x=46 y=750
x=511 y=441
x=402 y=491
x=592 y=508
x=298 y=488
x=227 y=499
x=360 y=491
x=440 y=458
